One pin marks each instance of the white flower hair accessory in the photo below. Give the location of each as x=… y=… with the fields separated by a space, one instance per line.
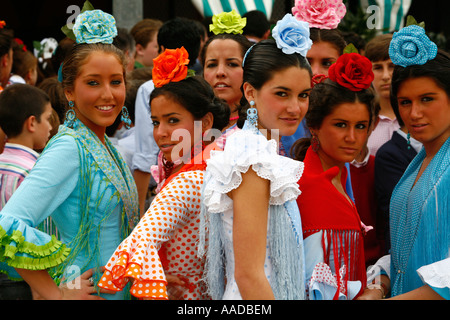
x=292 y=35
x=45 y=49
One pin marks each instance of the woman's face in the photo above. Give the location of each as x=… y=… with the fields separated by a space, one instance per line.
x=98 y=92
x=282 y=102
x=175 y=129
x=321 y=56
x=342 y=134
x=223 y=70
x=425 y=109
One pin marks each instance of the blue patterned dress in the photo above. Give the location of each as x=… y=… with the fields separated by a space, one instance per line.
x=87 y=190
x=420 y=223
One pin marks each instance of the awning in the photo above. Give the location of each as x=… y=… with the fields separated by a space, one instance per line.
x=208 y=8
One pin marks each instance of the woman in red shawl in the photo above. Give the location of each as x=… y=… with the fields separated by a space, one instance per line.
x=339 y=117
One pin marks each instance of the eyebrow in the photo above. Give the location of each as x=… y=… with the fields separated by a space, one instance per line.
x=99 y=75
x=167 y=115
x=421 y=95
x=288 y=89
x=227 y=59
x=343 y=120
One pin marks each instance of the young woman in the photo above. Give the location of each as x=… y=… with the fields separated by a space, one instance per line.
x=339 y=118
x=80 y=181
x=222 y=57
x=418 y=266
x=160 y=256
x=255 y=248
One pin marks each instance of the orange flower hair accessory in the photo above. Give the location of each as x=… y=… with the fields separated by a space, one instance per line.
x=170 y=66
x=2 y=24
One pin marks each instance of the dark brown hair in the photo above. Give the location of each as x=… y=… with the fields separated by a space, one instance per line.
x=324 y=98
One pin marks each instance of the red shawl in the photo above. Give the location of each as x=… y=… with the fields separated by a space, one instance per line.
x=323 y=208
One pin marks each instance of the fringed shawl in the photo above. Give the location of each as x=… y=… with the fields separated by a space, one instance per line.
x=420 y=220
x=245 y=149
x=323 y=208
x=95 y=157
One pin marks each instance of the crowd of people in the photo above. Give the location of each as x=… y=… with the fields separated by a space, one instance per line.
x=224 y=160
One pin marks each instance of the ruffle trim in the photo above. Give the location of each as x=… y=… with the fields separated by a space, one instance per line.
x=17 y=252
x=242 y=150
x=436 y=274
x=145 y=271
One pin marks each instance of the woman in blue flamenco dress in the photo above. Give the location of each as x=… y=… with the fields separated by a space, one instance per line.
x=80 y=181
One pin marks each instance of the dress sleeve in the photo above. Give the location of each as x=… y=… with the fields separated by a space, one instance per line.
x=50 y=182
x=437 y=276
x=245 y=149
x=137 y=256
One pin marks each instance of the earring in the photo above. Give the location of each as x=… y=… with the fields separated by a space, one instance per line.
x=70 y=116
x=252 y=115
x=408 y=140
x=126 y=118
x=315 y=143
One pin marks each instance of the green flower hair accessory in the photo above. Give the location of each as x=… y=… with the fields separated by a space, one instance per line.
x=228 y=22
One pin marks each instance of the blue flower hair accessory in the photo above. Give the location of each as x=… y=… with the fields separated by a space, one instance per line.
x=411 y=46
x=292 y=35
x=95 y=26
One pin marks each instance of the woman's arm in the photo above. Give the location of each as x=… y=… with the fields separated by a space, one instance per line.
x=250 y=205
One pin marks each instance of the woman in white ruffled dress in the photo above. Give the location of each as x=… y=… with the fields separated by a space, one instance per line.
x=253 y=244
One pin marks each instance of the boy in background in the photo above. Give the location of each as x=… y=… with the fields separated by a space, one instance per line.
x=25 y=113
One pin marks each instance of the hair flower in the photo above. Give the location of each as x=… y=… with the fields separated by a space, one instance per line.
x=95 y=26
x=292 y=35
x=322 y=14
x=170 y=66
x=2 y=24
x=411 y=46
x=352 y=71
x=228 y=22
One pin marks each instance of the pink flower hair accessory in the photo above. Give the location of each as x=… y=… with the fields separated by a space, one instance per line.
x=322 y=14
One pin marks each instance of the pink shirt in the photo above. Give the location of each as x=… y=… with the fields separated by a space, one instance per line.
x=382 y=133
x=16 y=162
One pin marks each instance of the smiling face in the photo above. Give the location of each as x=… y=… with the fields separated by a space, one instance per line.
x=342 y=134
x=282 y=102
x=223 y=70
x=425 y=109
x=98 y=92
x=168 y=116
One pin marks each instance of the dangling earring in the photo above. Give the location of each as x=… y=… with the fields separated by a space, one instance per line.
x=126 y=118
x=315 y=143
x=408 y=140
x=70 y=116
x=252 y=116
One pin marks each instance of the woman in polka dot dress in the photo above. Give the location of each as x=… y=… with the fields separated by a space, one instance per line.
x=160 y=256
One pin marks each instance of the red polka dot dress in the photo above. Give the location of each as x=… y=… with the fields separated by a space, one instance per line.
x=164 y=242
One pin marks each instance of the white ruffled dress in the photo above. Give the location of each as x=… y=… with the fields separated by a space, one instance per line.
x=284 y=262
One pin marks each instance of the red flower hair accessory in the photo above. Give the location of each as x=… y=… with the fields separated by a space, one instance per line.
x=170 y=66
x=2 y=24
x=352 y=71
